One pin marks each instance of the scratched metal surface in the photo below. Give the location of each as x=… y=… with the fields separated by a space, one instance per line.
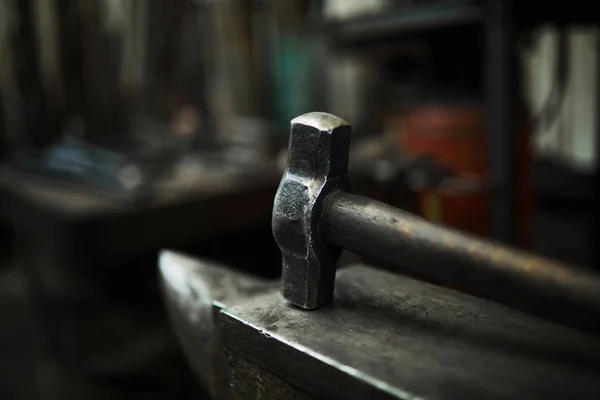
x=389 y=336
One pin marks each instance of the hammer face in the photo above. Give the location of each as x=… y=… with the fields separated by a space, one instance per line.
x=317 y=166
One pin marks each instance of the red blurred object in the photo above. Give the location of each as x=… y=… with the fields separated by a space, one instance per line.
x=453 y=136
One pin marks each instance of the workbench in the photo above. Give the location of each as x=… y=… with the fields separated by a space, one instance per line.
x=90 y=261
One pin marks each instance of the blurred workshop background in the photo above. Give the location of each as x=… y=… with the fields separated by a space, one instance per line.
x=128 y=126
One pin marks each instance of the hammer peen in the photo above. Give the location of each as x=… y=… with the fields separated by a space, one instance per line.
x=315 y=217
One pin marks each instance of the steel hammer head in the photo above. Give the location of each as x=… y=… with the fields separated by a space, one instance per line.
x=317 y=166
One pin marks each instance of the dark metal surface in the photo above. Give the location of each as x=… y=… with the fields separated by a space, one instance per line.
x=410 y=244
x=195 y=291
x=388 y=336
x=250 y=381
x=317 y=166
x=595 y=231
x=501 y=126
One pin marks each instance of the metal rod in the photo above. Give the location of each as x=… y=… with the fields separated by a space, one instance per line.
x=500 y=122
x=595 y=217
x=407 y=243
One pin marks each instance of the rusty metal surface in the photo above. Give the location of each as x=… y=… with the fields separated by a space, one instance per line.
x=388 y=336
x=407 y=243
x=317 y=166
x=195 y=291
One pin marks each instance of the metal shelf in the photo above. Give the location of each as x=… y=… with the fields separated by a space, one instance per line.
x=418 y=19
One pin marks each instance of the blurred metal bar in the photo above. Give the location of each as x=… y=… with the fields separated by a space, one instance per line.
x=595 y=237
x=501 y=127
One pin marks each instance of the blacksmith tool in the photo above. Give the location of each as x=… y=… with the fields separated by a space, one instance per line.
x=315 y=217
x=386 y=335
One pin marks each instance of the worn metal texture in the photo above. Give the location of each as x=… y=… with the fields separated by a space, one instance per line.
x=387 y=336
x=195 y=291
x=407 y=243
x=250 y=381
x=317 y=166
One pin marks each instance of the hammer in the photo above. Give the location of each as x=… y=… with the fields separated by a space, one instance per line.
x=315 y=216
